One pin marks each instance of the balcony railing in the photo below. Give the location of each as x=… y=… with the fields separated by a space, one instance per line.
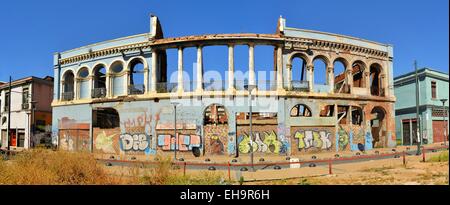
x=166 y=87
x=214 y=86
x=98 y=93
x=136 y=89
x=67 y=96
x=297 y=85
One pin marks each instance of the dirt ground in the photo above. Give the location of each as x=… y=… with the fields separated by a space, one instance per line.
x=376 y=172
x=387 y=171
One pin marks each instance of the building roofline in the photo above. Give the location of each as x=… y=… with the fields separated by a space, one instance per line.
x=26 y=80
x=419 y=71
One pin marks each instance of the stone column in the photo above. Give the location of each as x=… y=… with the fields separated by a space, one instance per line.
x=146 y=78
x=251 y=64
x=330 y=80
x=279 y=68
x=367 y=80
x=180 y=70
x=154 y=68
x=61 y=89
x=310 y=71
x=75 y=88
x=230 y=67
x=199 y=87
x=349 y=115
x=108 y=84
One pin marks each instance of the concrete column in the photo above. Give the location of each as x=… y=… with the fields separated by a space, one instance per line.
x=330 y=76
x=289 y=76
x=108 y=84
x=61 y=89
x=75 y=88
x=310 y=74
x=230 y=67
x=146 y=78
x=199 y=87
x=154 y=67
x=279 y=68
x=180 y=70
x=367 y=80
x=349 y=115
x=251 y=64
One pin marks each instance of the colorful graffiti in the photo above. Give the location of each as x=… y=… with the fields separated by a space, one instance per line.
x=342 y=139
x=138 y=123
x=135 y=142
x=105 y=142
x=216 y=138
x=269 y=144
x=320 y=140
x=185 y=142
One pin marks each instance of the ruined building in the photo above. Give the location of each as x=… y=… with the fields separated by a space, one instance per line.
x=116 y=98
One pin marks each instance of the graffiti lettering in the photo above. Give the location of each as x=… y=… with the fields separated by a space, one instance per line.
x=135 y=142
x=269 y=144
x=185 y=142
x=313 y=139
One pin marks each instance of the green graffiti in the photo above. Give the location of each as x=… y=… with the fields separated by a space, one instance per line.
x=343 y=139
x=300 y=136
x=270 y=139
x=244 y=145
x=317 y=141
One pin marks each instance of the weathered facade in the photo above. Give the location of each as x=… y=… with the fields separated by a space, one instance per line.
x=31 y=113
x=100 y=106
x=433 y=86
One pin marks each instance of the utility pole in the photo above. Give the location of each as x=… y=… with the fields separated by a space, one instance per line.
x=9 y=114
x=419 y=140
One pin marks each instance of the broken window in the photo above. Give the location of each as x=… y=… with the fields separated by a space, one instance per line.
x=433 y=89
x=342 y=114
x=357 y=115
x=327 y=111
x=215 y=114
x=298 y=74
x=136 y=85
x=105 y=118
x=320 y=71
x=375 y=82
x=358 y=74
x=300 y=110
x=340 y=78
x=68 y=86
x=99 y=82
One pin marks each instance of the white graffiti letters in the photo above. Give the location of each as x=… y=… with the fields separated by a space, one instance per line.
x=135 y=142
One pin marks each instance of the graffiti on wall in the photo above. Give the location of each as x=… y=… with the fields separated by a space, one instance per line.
x=138 y=123
x=135 y=142
x=105 y=142
x=320 y=140
x=342 y=139
x=73 y=135
x=216 y=138
x=185 y=142
x=264 y=142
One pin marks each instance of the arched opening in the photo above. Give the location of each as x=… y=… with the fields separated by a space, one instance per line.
x=340 y=84
x=378 y=124
x=117 y=81
x=375 y=80
x=105 y=118
x=68 y=86
x=215 y=121
x=83 y=83
x=136 y=84
x=358 y=68
x=298 y=75
x=320 y=71
x=99 y=87
x=301 y=110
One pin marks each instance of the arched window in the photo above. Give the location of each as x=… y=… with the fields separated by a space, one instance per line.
x=298 y=74
x=83 y=83
x=117 y=67
x=375 y=80
x=340 y=84
x=68 y=86
x=99 y=89
x=136 y=85
x=358 y=68
x=301 y=110
x=320 y=71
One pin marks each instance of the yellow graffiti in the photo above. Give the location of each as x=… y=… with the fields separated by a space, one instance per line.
x=317 y=141
x=270 y=139
x=105 y=143
x=244 y=145
x=300 y=136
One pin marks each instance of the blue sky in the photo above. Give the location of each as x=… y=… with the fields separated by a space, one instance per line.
x=31 y=31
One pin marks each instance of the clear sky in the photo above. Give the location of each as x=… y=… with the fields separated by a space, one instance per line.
x=31 y=31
